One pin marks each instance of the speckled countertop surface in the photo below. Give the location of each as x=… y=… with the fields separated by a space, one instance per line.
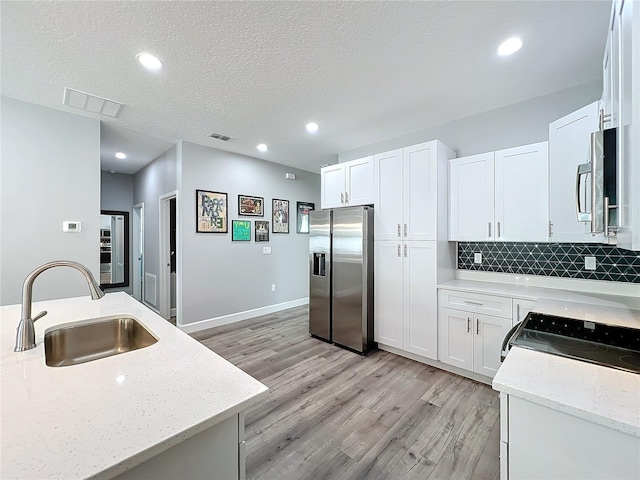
x=601 y=395
x=101 y=418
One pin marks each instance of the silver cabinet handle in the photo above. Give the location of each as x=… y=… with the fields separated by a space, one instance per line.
x=477 y=327
x=499 y=230
x=398 y=250
x=468 y=324
x=405 y=250
x=399 y=235
x=342 y=198
x=346 y=197
x=405 y=229
x=489 y=229
x=518 y=312
x=473 y=303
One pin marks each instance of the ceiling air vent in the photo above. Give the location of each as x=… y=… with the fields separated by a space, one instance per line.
x=217 y=136
x=91 y=103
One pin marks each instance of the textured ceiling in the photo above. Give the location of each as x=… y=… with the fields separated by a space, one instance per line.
x=259 y=71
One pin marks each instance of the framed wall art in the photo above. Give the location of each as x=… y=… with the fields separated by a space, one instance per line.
x=280 y=213
x=250 y=206
x=262 y=230
x=211 y=212
x=303 y=209
x=241 y=230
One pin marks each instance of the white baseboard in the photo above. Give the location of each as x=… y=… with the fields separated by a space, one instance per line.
x=436 y=363
x=236 y=317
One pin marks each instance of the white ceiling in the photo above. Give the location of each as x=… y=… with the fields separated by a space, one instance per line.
x=258 y=71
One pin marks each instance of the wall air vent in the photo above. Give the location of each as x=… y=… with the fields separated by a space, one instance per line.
x=91 y=103
x=217 y=136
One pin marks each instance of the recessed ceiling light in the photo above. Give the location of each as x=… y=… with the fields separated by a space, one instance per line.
x=262 y=147
x=312 y=127
x=121 y=156
x=149 y=61
x=509 y=46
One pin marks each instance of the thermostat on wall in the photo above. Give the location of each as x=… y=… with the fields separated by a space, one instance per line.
x=69 y=226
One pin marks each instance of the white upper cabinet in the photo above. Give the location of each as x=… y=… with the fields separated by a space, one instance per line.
x=406 y=191
x=471 y=192
x=347 y=184
x=388 y=195
x=569 y=146
x=500 y=196
x=522 y=193
x=627 y=15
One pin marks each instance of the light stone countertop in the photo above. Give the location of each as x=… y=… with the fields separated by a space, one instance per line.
x=101 y=418
x=602 y=395
x=539 y=293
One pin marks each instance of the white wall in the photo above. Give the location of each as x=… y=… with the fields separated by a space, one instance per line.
x=50 y=172
x=116 y=193
x=154 y=180
x=510 y=126
x=221 y=277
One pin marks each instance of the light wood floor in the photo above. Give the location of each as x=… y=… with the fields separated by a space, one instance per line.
x=334 y=414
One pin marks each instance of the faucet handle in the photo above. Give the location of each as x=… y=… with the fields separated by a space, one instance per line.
x=38 y=316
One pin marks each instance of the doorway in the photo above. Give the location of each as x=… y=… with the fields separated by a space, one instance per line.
x=168 y=247
x=138 y=251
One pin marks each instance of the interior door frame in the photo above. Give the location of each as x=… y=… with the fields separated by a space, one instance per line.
x=138 y=251
x=164 y=265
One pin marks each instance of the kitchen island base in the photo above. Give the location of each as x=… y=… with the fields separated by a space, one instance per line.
x=217 y=453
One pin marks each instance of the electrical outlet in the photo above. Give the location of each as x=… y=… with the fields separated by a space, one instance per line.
x=273 y=287
x=477 y=258
x=590 y=263
x=266 y=250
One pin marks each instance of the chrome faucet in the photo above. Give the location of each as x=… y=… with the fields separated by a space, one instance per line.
x=26 y=334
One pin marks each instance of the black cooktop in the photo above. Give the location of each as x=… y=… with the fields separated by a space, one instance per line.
x=608 y=345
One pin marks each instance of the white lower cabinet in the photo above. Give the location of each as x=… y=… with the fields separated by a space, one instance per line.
x=471 y=340
x=541 y=442
x=521 y=307
x=471 y=329
x=405 y=296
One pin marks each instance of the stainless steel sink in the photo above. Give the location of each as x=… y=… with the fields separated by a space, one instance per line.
x=90 y=340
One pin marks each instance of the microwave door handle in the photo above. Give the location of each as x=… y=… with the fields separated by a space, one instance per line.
x=583 y=215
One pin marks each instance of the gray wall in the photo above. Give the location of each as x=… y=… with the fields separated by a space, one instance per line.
x=506 y=127
x=154 y=180
x=116 y=193
x=221 y=277
x=50 y=172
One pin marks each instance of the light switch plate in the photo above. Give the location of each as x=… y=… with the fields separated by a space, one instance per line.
x=477 y=258
x=590 y=263
x=71 y=226
x=266 y=250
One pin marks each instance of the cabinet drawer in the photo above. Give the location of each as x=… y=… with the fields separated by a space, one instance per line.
x=476 y=302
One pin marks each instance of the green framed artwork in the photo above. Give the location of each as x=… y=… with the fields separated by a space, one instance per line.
x=241 y=230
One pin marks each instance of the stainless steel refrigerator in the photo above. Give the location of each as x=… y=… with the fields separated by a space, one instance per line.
x=341 y=277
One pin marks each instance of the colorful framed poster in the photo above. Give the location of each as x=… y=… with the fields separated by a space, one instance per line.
x=262 y=231
x=241 y=230
x=250 y=206
x=280 y=214
x=303 y=209
x=211 y=212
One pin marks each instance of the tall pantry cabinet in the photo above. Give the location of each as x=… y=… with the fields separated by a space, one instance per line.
x=412 y=254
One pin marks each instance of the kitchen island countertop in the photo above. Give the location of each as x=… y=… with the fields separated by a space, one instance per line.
x=101 y=418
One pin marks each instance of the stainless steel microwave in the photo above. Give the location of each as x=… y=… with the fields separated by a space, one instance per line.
x=597 y=184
